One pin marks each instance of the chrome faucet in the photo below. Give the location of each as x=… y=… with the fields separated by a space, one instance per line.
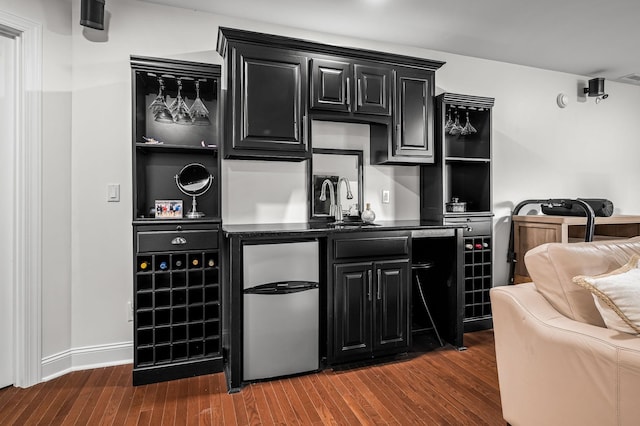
x=335 y=209
x=338 y=213
x=323 y=196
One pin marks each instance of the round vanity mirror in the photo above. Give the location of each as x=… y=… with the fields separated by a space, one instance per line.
x=194 y=180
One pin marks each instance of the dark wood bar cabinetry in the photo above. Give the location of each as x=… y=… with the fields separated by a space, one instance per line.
x=369 y=295
x=277 y=85
x=457 y=189
x=176 y=278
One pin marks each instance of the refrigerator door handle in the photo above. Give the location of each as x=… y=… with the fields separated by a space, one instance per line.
x=281 y=287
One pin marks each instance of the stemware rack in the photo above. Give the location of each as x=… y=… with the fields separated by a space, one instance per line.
x=463 y=172
x=162 y=148
x=176 y=277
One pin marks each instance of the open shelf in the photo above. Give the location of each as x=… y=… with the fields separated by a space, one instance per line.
x=167 y=148
x=470 y=182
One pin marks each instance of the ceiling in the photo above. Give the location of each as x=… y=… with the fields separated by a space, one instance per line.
x=584 y=37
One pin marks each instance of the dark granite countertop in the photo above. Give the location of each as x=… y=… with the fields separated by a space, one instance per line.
x=322 y=228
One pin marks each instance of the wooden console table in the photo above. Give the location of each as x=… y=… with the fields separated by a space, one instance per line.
x=534 y=230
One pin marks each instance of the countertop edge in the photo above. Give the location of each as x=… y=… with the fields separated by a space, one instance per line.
x=313 y=229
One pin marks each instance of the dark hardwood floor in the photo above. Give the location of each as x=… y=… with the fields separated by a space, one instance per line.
x=439 y=387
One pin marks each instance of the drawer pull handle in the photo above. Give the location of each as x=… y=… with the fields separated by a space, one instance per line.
x=179 y=241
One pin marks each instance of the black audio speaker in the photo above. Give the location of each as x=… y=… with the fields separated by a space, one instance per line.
x=92 y=14
x=601 y=207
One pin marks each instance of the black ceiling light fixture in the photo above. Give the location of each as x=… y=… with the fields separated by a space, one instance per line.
x=596 y=89
x=92 y=14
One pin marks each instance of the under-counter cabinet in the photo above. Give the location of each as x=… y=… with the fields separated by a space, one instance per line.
x=368 y=296
x=177 y=302
x=176 y=276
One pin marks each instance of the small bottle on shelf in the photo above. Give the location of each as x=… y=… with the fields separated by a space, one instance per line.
x=368 y=215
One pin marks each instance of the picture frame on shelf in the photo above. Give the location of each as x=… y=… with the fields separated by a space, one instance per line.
x=168 y=209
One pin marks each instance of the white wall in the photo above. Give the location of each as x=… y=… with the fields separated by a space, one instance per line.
x=55 y=17
x=540 y=151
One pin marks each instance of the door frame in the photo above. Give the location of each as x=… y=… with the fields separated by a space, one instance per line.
x=27 y=203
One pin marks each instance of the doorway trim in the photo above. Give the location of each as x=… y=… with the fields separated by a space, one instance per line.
x=27 y=206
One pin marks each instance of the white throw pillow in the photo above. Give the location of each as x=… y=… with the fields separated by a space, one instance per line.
x=617 y=296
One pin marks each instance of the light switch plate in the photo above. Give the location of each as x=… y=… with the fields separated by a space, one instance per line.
x=385 y=196
x=113 y=192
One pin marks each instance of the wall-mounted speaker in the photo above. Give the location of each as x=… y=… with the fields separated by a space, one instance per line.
x=92 y=14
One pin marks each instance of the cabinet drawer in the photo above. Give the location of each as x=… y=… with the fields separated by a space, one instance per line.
x=472 y=227
x=371 y=247
x=177 y=240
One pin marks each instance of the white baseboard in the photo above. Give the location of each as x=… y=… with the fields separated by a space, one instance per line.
x=86 y=358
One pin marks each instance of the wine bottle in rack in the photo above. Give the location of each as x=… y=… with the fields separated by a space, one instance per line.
x=211 y=263
x=144 y=265
x=163 y=266
x=195 y=262
x=178 y=263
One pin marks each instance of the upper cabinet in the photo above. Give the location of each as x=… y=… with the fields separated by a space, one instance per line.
x=275 y=85
x=266 y=108
x=410 y=139
x=350 y=87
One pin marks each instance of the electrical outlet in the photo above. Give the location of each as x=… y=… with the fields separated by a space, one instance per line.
x=385 y=196
x=129 y=311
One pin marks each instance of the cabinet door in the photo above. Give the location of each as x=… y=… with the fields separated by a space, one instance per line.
x=269 y=102
x=330 y=85
x=353 y=293
x=391 y=307
x=414 y=115
x=373 y=90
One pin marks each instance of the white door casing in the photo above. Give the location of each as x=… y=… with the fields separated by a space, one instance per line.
x=7 y=138
x=26 y=207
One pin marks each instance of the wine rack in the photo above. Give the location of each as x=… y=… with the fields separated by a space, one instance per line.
x=177 y=307
x=478 y=278
x=177 y=315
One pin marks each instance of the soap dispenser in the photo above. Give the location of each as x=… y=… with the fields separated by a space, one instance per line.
x=368 y=215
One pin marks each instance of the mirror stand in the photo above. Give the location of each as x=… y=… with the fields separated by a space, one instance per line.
x=194 y=180
x=194 y=213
